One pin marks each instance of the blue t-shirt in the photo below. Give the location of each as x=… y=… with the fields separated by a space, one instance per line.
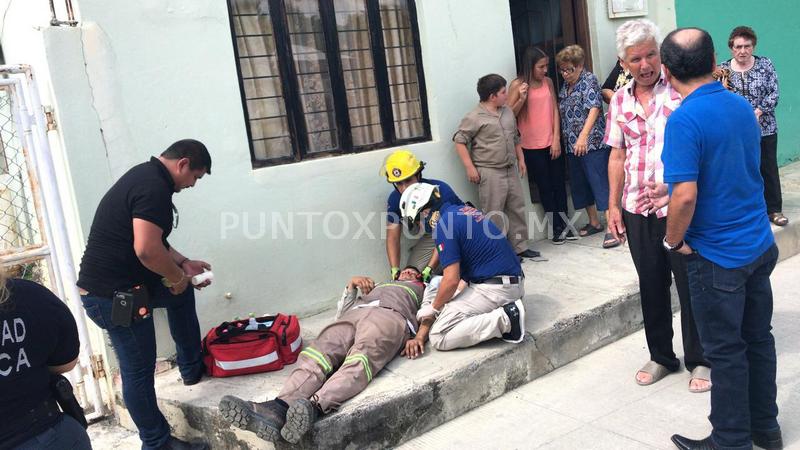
x=464 y=235
x=714 y=139
x=447 y=193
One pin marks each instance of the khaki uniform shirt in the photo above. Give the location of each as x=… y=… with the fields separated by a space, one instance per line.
x=403 y=297
x=490 y=138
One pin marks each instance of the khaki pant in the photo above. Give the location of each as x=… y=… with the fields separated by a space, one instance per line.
x=500 y=191
x=345 y=357
x=475 y=315
x=421 y=252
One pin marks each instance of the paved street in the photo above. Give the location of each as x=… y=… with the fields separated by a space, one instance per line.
x=594 y=402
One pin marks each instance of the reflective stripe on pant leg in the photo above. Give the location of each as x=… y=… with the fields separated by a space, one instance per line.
x=317 y=357
x=360 y=357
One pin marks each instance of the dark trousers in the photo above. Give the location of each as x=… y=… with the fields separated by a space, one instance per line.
x=135 y=347
x=588 y=179
x=548 y=176
x=769 y=172
x=733 y=308
x=66 y=433
x=653 y=265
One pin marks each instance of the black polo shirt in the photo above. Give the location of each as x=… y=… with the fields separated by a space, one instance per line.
x=109 y=262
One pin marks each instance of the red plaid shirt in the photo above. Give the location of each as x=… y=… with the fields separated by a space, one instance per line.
x=641 y=137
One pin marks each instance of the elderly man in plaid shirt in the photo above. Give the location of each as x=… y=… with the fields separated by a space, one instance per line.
x=637 y=209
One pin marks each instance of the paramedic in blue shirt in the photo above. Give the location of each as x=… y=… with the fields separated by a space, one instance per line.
x=402 y=169
x=717 y=218
x=472 y=248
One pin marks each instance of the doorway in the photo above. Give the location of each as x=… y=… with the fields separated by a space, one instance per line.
x=550 y=25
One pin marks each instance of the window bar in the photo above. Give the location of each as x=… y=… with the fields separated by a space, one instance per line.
x=381 y=74
x=289 y=82
x=423 y=96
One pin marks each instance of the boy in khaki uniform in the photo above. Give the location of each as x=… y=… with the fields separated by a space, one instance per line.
x=368 y=332
x=487 y=141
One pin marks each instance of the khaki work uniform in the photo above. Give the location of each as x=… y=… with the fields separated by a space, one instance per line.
x=475 y=315
x=491 y=140
x=368 y=333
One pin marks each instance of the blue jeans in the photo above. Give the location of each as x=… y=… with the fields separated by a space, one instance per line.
x=135 y=347
x=588 y=179
x=733 y=312
x=66 y=433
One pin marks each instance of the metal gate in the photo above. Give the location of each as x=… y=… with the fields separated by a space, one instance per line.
x=34 y=243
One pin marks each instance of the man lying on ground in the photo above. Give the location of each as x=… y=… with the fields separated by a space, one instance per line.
x=369 y=331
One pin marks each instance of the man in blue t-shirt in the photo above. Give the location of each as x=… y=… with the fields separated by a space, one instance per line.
x=717 y=218
x=402 y=169
x=472 y=248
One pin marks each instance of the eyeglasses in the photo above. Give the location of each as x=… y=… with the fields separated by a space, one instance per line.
x=567 y=70
x=743 y=47
x=176 y=218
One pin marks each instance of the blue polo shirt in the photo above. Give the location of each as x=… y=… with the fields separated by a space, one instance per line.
x=714 y=140
x=464 y=235
x=447 y=193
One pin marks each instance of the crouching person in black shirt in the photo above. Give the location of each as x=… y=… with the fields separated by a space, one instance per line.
x=38 y=337
x=129 y=268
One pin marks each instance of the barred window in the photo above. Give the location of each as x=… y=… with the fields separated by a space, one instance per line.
x=326 y=77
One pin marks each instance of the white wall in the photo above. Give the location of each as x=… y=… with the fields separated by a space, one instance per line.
x=602 y=30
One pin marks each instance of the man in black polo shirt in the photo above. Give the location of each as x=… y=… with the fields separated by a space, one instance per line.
x=128 y=247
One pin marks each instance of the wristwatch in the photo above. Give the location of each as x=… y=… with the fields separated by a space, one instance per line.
x=672 y=248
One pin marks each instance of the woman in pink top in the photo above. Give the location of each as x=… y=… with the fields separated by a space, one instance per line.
x=532 y=98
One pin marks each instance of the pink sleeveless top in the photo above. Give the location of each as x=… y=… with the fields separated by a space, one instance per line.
x=535 y=121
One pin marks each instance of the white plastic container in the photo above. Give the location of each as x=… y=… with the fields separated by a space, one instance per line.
x=207 y=275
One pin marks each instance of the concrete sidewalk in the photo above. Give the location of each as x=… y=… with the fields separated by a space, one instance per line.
x=583 y=298
x=595 y=403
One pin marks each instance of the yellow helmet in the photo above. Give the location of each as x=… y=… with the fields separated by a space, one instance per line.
x=401 y=165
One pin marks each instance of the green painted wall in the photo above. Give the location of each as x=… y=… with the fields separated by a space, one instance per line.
x=775 y=22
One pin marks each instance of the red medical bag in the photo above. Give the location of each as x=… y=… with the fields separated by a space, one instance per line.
x=257 y=344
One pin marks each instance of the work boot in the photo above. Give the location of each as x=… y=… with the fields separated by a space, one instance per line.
x=176 y=444
x=265 y=419
x=299 y=419
x=516 y=315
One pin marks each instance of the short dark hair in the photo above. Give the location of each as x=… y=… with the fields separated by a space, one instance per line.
x=196 y=151
x=688 y=61
x=742 y=32
x=412 y=267
x=490 y=84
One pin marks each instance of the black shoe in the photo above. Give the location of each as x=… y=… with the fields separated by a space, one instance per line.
x=769 y=440
x=194 y=380
x=529 y=254
x=299 y=419
x=570 y=236
x=690 y=444
x=558 y=237
x=516 y=315
x=264 y=419
x=176 y=444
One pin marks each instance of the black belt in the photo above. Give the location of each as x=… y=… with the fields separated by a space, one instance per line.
x=497 y=280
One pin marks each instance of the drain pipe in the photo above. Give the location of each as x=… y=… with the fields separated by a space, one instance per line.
x=70 y=15
x=34 y=129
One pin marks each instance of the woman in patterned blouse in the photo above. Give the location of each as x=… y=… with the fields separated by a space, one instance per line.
x=754 y=78
x=582 y=126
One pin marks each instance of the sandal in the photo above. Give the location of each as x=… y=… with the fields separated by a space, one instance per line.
x=589 y=230
x=779 y=219
x=656 y=371
x=700 y=373
x=609 y=241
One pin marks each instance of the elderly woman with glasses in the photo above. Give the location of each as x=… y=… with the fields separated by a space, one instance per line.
x=583 y=126
x=754 y=78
